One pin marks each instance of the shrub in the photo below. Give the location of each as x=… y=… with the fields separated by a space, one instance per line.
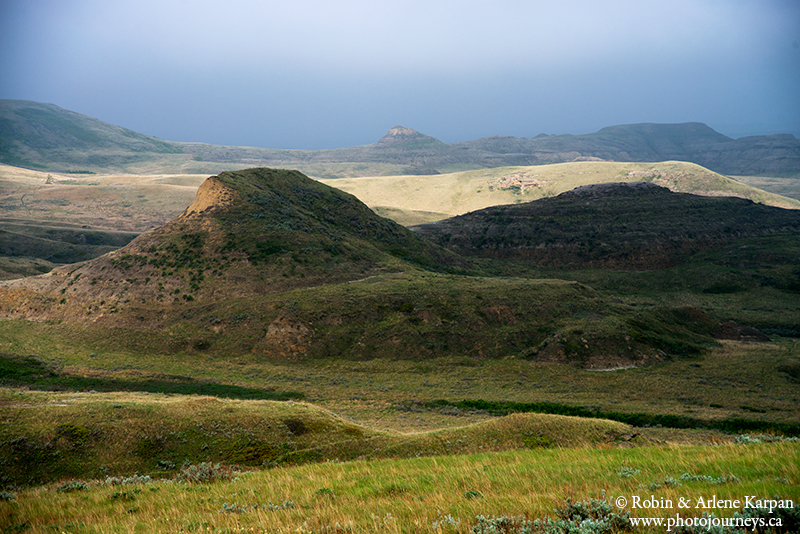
x=121 y=481
x=627 y=472
x=730 y=479
x=72 y=485
x=74 y=433
x=165 y=465
x=744 y=439
x=205 y=472
x=326 y=492
x=536 y=442
x=235 y=508
x=593 y=517
x=125 y=495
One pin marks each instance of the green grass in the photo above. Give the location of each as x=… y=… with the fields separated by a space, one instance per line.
x=740 y=425
x=413 y=381
x=33 y=373
x=389 y=392
x=751 y=281
x=413 y=495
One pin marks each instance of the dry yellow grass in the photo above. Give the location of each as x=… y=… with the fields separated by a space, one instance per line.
x=461 y=192
x=114 y=202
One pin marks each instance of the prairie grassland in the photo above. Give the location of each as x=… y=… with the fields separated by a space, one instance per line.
x=148 y=415
x=434 y=494
x=48 y=219
x=137 y=202
x=133 y=203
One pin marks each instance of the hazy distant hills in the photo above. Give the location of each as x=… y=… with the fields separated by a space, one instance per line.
x=46 y=137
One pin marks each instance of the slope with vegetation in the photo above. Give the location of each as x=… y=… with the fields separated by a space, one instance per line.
x=247 y=233
x=50 y=218
x=476 y=493
x=62 y=218
x=155 y=435
x=636 y=225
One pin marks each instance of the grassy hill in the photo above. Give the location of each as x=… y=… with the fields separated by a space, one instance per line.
x=247 y=233
x=397 y=385
x=732 y=258
x=155 y=435
x=51 y=218
x=61 y=218
x=59 y=243
x=422 y=495
x=46 y=137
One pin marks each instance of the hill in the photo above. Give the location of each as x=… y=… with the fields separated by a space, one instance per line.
x=53 y=218
x=636 y=225
x=46 y=137
x=271 y=262
x=48 y=219
x=247 y=233
x=422 y=199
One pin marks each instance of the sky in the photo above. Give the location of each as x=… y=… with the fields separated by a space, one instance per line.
x=314 y=74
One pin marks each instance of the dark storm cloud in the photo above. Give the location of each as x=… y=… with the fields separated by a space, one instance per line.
x=317 y=74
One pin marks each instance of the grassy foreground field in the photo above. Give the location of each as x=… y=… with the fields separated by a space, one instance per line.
x=435 y=494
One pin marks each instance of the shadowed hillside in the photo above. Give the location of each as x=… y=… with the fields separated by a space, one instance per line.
x=636 y=225
x=45 y=136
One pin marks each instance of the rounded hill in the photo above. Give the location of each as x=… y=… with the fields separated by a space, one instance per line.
x=633 y=225
x=251 y=232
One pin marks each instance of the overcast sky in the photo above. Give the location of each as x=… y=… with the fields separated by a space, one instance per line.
x=329 y=74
